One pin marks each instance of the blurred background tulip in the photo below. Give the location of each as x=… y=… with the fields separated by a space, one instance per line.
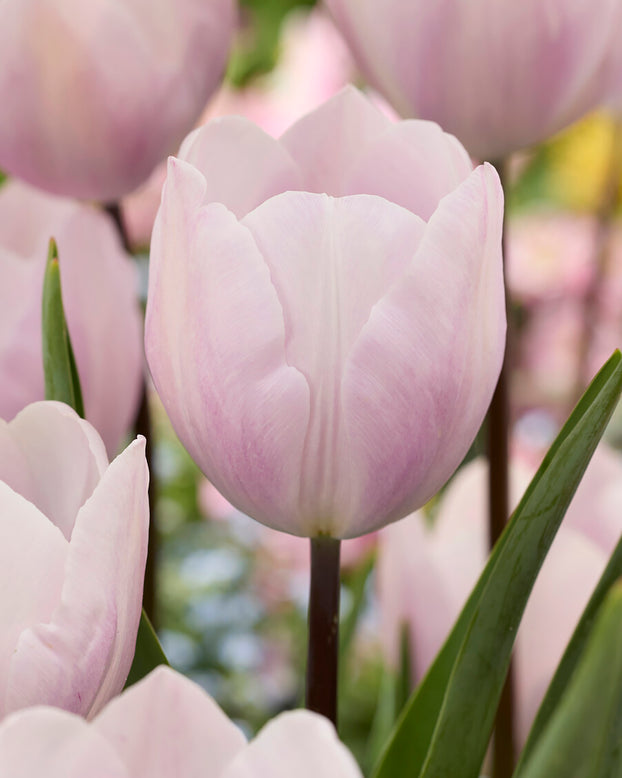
x=499 y=75
x=326 y=318
x=163 y=726
x=427 y=568
x=74 y=542
x=99 y=294
x=95 y=94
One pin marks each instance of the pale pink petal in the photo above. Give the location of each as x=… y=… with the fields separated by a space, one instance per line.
x=30 y=461
x=46 y=742
x=430 y=355
x=215 y=335
x=166 y=726
x=413 y=164
x=83 y=655
x=242 y=165
x=298 y=743
x=330 y=260
x=31 y=573
x=328 y=142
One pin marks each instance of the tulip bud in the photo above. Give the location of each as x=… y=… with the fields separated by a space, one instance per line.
x=73 y=548
x=325 y=320
x=500 y=75
x=94 y=94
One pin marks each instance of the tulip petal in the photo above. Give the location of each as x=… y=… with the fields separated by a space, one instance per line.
x=298 y=743
x=242 y=165
x=422 y=373
x=215 y=342
x=30 y=464
x=328 y=142
x=31 y=574
x=84 y=653
x=413 y=164
x=330 y=260
x=166 y=725
x=55 y=744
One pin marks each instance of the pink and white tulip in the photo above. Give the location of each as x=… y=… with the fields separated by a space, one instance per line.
x=73 y=547
x=425 y=573
x=99 y=294
x=325 y=321
x=168 y=726
x=500 y=75
x=95 y=94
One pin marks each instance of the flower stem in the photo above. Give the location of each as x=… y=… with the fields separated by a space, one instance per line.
x=323 y=645
x=498 y=509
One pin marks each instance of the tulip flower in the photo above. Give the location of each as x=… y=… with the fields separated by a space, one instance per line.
x=325 y=319
x=425 y=573
x=73 y=547
x=95 y=94
x=499 y=75
x=99 y=294
x=163 y=726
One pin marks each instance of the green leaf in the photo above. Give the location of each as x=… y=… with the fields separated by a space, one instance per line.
x=445 y=728
x=583 y=738
x=148 y=654
x=347 y=628
x=59 y=366
x=572 y=655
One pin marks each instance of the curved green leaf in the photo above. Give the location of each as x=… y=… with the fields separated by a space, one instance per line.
x=149 y=653
x=445 y=728
x=59 y=366
x=572 y=655
x=583 y=738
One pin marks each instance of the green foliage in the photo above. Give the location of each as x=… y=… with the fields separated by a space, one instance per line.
x=583 y=738
x=445 y=728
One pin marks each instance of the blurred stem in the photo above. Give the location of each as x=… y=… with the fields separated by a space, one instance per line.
x=323 y=645
x=498 y=506
x=605 y=216
x=142 y=426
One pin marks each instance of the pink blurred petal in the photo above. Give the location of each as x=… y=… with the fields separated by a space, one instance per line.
x=166 y=725
x=298 y=743
x=55 y=744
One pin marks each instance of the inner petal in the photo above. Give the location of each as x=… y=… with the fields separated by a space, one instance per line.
x=331 y=260
x=46 y=457
x=31 y=574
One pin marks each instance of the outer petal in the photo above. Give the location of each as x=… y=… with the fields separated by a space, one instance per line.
x=84 y=653
x=421 y=374
x=328 y=142
x=215 y=342
x=52 y=458
x=242 y=165
x=55 y=744
x=330 y=260
x=298 y=743
x=31 y=573
x=166 y=725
